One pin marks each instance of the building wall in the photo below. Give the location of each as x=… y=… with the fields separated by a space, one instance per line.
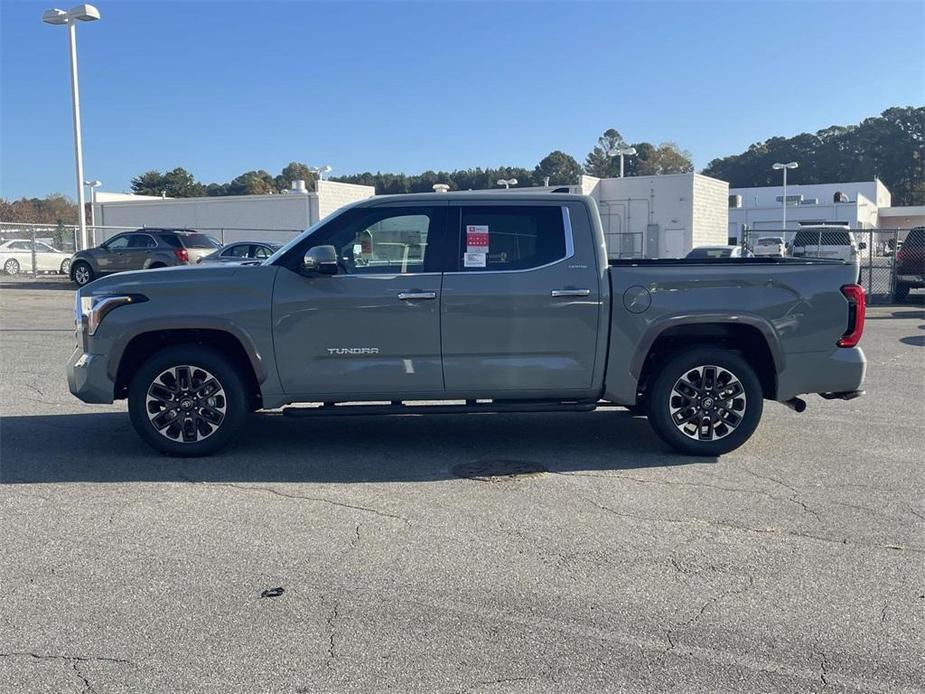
x=232 y=217
x=710 y=215
x=761 y=210
x=333 y=195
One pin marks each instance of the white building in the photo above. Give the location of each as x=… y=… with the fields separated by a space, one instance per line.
x=230 y=217
x=860 y=204
x=657 y=216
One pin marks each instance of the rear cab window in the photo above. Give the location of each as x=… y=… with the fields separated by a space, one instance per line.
x=509 y=237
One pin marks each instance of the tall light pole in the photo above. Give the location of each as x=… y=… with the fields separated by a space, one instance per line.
x=622 y=152
x=783 y=167
x=78 y=13
x=507 y=182
x=93 y=185
x=320 y=171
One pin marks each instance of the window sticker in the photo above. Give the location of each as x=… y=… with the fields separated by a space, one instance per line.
x=477 y=238
x=474 y=259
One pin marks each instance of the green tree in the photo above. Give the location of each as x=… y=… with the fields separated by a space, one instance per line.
x=178 y=183
x=252 y=183
x=667 y=158
x=149 y=183
x=559 y=167
x=294 y=171
x=600 y=160
x=890 y=147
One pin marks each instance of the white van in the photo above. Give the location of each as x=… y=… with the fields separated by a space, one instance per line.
x=826 y=241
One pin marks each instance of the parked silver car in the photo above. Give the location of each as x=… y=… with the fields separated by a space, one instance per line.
x=241 y=252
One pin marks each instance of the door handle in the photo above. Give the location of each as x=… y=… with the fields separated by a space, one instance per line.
x=417 y=296
x=570 y=292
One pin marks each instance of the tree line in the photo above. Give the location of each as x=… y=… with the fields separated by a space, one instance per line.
x=556 y=168
x=890 y=146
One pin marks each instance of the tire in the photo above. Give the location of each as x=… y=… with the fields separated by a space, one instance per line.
x=730 y=424
x=902 y=292
x=158 y=388
x=65 y=268
x=81 y=273
x=11 y=266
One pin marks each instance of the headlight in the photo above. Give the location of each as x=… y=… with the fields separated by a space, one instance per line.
x=91 y=310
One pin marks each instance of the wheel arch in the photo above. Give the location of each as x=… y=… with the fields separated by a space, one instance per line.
x=134 y=350
x=751 y=336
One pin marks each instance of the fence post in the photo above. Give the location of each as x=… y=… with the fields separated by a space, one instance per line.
x=35 y=271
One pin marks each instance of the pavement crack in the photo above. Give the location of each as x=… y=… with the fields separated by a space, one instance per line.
x=794 y=492
x=331 y=655
x=823 y=667
x=317 y=499
x=74 y=658
x=704 y=607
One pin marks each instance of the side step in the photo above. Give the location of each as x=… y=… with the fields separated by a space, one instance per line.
x=470 y=407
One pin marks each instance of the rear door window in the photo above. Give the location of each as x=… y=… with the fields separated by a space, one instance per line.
x=237 y=251
x=510 y=237
x=196 y=241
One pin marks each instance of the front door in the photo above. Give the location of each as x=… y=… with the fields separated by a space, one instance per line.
x=111 y=257
x=521 y=312
x=373 y=329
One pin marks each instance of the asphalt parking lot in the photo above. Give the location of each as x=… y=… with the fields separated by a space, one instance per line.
x=410 y=563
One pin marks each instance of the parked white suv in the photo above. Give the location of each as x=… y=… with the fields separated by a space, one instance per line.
x=769 y=246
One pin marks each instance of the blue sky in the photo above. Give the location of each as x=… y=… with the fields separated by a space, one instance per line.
x=221 y=88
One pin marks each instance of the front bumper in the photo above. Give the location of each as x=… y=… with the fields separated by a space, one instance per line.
x=839 y=371
x=87 y=378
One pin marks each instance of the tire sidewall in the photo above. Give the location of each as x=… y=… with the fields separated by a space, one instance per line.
x=11 y=263
x=208 y=359
x=73 y=270
x=65 y=267
x=673 y=369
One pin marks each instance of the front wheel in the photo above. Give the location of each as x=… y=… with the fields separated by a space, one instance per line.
x=11 y=267
x=65 y=266
x=187 y=401
x=82 y=273
x=705 y=402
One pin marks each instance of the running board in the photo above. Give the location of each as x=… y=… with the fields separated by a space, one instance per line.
x=471 y=406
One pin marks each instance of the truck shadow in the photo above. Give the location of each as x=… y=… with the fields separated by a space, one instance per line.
x=104 y=448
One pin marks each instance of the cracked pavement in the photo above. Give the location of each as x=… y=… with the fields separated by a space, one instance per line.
x=797 y=563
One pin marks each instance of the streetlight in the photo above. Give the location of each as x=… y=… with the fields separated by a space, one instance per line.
x=783 y=167
x=93 y=185
x=507 y=182
x=320 y=171
x=625 y=151
x=78 y=13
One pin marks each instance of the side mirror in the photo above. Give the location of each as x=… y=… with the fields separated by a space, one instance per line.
x=321 y=259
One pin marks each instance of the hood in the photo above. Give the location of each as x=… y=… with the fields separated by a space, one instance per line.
x=183 y=277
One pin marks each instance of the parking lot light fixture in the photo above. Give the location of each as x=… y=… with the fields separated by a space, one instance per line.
x=93 y=185
x=777 y=166
x=507 y=182
x=625 y=152
x=78 y=13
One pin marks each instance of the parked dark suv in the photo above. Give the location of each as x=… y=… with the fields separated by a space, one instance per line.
x=910 y=263
x=141 y=250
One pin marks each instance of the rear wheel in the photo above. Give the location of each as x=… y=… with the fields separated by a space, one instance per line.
x=187 y=401
x=902 y=292
x=11 y=266
x=705 y=402
x=65 y=266
x=82 y=273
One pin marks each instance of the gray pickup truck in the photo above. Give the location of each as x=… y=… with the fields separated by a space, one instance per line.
x=468 y=303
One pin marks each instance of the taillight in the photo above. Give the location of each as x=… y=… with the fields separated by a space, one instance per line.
x=182 y=255
x=854 y=293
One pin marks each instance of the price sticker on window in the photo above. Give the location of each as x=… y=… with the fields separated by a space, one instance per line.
x=475 y=259
x=477 y=238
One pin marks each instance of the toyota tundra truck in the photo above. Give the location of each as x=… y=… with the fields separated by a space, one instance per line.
x=445 y=303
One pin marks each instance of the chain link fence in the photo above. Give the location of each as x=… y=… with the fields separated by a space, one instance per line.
x=34 y=249
x=874 y=251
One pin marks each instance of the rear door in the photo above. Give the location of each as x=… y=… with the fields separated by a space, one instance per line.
x=140 y=248
x=373 y=329
x=521 y=310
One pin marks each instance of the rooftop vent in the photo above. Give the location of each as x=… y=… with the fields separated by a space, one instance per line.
x=298 y=186
x=441 y=188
